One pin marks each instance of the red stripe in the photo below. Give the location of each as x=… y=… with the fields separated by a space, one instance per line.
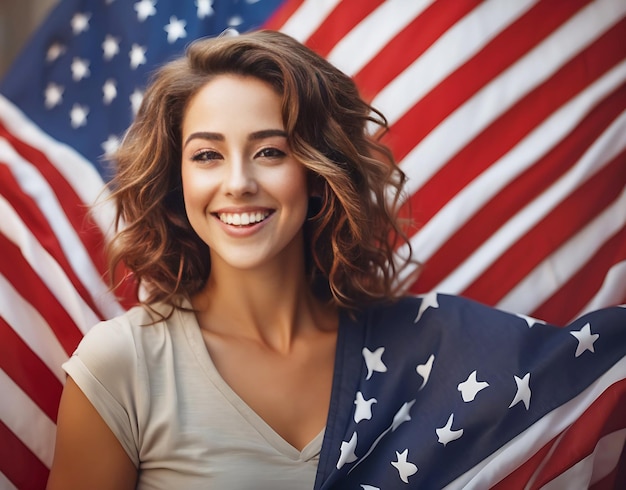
x=509 y=129
x=28 y=284
x=37 y=223
x=525 y=188
x=566 y=303
x=565 y=220
x=75 y=210
x=338 y=23
x=520 y=37
x=409 y=44
x=606 y=415
x=19 y=464
x=29 y=372
x=282 y=14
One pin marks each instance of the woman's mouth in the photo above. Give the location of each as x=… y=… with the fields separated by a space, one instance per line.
x=243 y=219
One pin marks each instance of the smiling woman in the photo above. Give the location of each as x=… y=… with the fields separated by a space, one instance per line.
x=255 y=208
x=273 y=347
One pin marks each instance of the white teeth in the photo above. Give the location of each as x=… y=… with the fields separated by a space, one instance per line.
x=243 y=219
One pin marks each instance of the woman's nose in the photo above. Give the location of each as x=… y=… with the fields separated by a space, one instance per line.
x=240 y=179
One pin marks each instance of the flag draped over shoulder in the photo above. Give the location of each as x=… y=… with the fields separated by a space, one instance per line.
x=509 y=119
x=437 y=393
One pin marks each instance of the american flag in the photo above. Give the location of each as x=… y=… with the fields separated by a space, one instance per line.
x=508 y=117
x=437 y=393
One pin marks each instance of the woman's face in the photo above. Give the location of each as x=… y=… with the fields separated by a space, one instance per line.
x=245 y=194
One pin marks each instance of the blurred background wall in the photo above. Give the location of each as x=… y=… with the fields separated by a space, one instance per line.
x=18 y=20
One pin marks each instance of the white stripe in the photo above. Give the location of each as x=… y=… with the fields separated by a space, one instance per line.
x=513 y=454
x=594 y=467
x=31 y=327
x=371 y=35
x=612 y=292
x=33 y=184
x=559 y=267
x=5 y=483
x=78 y=172
x=50 y=272
x=26 y=420
x=307 y=18
x=458 y=210
x=498 y=96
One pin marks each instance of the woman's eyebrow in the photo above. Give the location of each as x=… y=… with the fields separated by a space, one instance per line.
x=204 y=135
x=266 y=133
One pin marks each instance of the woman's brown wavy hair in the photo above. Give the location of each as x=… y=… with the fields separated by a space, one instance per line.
x=350 y=238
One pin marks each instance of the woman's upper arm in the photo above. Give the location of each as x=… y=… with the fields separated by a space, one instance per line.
x=87 y=454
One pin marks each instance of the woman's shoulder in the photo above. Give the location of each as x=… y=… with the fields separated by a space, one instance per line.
x=131 y=323
x=134 y=335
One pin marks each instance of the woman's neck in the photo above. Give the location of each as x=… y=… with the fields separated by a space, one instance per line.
x=273 y=306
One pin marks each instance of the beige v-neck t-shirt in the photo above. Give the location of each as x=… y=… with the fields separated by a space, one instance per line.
x=180 y=423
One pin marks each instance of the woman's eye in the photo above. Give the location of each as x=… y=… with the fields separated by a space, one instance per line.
x=205 y=156
x=270 y=153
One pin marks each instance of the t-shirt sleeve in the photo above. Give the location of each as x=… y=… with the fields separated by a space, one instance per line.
x=105 y=368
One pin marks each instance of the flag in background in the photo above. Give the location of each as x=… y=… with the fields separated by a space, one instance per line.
x=508 y=117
